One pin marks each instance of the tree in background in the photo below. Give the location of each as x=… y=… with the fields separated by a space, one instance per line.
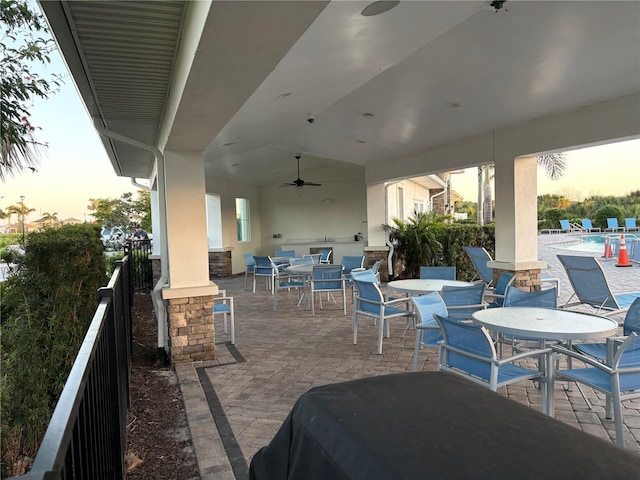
x=25 y=43
x=124 y=211
x=554 y=165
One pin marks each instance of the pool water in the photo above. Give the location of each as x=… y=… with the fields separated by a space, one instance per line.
x=594 y=243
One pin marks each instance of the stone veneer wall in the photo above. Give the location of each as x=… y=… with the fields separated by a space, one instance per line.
x=191 y=329
x=220 y=264
x=527 y=280
x=372 y=256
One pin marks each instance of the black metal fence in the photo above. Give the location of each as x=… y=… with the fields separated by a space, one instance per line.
x=86 y=437
x=139 y=251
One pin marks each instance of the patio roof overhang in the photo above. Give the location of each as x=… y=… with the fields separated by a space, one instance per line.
x=254 y=83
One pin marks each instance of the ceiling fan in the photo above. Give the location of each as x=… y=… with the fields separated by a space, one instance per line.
x=298 y=182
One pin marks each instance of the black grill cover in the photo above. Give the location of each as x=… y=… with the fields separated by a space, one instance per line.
x=430 y=425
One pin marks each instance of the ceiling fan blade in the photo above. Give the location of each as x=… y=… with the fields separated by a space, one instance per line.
x=311 y=184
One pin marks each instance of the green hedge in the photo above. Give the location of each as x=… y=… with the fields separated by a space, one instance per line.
x=455 y=236
x=47 y=306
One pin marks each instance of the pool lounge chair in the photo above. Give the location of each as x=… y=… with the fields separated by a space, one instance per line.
x=630 y=225
x=588 y=226
x=612 y=225
x=567 y=227
x=591 y=287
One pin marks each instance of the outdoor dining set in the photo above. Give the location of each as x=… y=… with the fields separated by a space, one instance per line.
x=488 y=331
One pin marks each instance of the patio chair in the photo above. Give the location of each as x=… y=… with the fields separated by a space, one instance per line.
x=325 y=256
x=630 y=225
x=468 y=350
x=315 y=257
x=327 y=278
x=514 y=297
x=461 y=302
x=598 y=350
x=301 y=261
x=284 y=280
x=427 y=329
x=612 y=225
x=250 y=267
x=350 y=262
x=375 y=268
x=588 y=226
x=285 y=253
x=591 y=287
x=496 y=295
x=479 y=256
x=264 y=268
x=441 y=273
x=370 y=302
x=223 y=304
x=619 y=380
x=568 y=227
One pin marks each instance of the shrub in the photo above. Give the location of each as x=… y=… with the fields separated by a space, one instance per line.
x=455 y=236
x=608 y=211
x=49 y=303
x=552 y=217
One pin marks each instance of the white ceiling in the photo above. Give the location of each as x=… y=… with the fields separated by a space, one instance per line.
x=407 y=67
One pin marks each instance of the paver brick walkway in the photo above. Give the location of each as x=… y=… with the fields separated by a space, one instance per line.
x=236 y=403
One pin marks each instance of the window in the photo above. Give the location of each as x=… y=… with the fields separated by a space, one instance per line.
x=418 y=206
x=243 y=219
x=401 y=203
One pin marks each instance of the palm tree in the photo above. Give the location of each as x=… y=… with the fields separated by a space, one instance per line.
x=49 y=219
x=554 y=165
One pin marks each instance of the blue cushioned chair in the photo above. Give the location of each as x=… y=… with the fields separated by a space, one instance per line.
x=631 y=323
x=325 y=256
x=327 y=278
x=222 y=304
x=440 y=273
x=619 y=380
x=370 y=302
x=250 y=267
x=427 y=329
x=283 y=280
x=461 y=302
x=467 y=350
x=264 y=268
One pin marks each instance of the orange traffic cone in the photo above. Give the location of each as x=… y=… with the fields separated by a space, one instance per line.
x=623 y=258
x=608 y=251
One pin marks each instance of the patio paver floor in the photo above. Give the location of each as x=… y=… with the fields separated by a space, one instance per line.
x=236 y=403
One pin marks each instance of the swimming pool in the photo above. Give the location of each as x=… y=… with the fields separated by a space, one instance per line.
x=595 y=243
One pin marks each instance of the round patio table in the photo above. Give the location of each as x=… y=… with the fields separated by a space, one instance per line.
x=424 y=285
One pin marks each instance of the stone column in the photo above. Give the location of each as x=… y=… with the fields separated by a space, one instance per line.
x=191 y=332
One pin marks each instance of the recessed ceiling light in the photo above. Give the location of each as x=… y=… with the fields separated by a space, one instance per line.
x=227 y=144
x=360 y=141
x=453 y=104
x=376 y=8
x=368 y=115
x=285 y=94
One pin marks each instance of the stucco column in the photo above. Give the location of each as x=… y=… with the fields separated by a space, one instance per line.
x=189 y=293
x=516 y=216
x=376 y=216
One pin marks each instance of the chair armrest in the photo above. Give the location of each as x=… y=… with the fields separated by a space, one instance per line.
x=528 y=353
x=578 y=356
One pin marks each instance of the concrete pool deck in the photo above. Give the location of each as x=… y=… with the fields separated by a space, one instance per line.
x=236 y=403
